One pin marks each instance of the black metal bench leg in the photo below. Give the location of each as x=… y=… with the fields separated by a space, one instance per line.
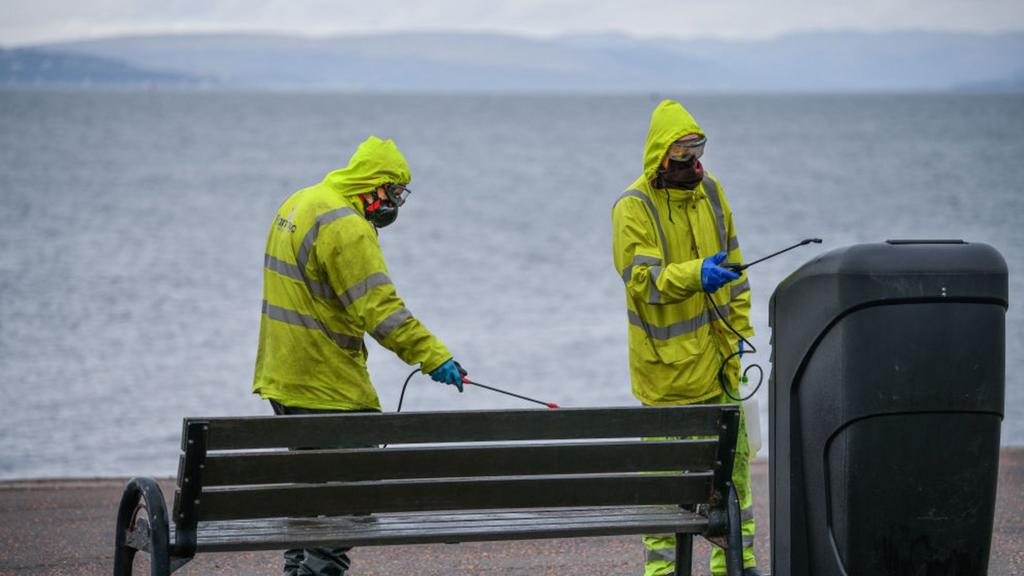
x=142 y=525
x=684 y=554
x=734 y=549
x=124 y=556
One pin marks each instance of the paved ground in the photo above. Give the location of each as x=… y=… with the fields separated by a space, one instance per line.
x=67 y=527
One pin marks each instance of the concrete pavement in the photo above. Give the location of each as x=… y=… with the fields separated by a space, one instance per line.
x=66 y=527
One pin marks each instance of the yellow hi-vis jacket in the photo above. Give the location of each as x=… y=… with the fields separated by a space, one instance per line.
x=325 y=285
x=661 y=237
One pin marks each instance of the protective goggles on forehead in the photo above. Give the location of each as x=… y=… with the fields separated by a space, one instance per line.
x=396 y=193
x=687 y=150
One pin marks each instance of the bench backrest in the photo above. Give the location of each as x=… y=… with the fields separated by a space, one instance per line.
x=309 y=465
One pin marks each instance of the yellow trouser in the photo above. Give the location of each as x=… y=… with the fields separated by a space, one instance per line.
x=660 y=550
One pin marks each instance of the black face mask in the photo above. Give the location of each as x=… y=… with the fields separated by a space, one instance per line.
x=383 y=214
x=383 y=211
x=682 y=175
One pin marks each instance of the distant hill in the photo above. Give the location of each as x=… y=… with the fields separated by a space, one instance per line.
x=33 y=67
x=457 y=62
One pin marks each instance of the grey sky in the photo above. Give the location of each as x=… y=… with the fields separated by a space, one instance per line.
x=32 y=21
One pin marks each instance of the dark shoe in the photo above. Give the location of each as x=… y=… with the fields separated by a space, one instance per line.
x=753 y=572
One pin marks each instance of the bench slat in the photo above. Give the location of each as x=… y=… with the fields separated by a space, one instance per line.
x=228 y=469
x=455 y=494
x=276 y=534
x=355 y=430
x=398 y=519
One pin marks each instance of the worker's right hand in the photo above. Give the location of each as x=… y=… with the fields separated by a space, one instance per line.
x=448 y=373
x=713 y=276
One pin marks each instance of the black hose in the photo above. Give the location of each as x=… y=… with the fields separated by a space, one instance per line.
x=723 y=381
x=401 y=397
x=738 y=268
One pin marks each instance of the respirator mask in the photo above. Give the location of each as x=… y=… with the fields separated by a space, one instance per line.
x=383 y=211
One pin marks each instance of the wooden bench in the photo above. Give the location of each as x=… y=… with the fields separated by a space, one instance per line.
x=446 y=477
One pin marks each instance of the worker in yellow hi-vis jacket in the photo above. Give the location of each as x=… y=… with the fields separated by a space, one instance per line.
x=673 y=230
x=325 y=285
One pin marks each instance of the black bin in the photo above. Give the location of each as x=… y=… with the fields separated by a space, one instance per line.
x=886 y=391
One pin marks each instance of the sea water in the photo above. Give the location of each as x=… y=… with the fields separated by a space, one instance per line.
x=132 y=231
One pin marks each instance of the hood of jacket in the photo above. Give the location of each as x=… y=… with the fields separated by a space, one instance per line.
x=669 y=122
x=374 y=163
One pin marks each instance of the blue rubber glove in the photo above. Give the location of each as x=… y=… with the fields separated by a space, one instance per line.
x=448 y=373
x=741 y=349
x=713 y=276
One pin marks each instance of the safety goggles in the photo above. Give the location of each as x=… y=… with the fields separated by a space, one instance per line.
x=397 y=193
x=687 y=150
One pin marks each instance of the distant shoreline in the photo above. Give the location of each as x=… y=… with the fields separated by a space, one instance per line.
x=453 y=62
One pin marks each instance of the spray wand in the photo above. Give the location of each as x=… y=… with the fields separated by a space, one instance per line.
x=551 y=405
x=737 y=268
x=466 y=380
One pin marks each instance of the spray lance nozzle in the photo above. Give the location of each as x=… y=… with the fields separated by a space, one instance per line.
x=551 y=405
x=737 y=268
x=466 y=380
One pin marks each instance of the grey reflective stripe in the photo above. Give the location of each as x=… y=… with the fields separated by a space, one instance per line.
x=655 y=295
x=716 y=206
x=679 y=328
x=281 y=267
x=298 y=319
x=627 y=274
x=359 y=290
x=307 y=244
x=302 y=258
x=662 y=554
x=739 y=288
x=748 y=541
x=390 y=323
x=747 y=514
x=321 y=289
x=654 y=216
x=649 y=260
x=734 y=243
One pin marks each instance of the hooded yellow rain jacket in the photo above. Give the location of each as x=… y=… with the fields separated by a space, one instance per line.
x=676 y=341
x=325 y=284
x=661 y=237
